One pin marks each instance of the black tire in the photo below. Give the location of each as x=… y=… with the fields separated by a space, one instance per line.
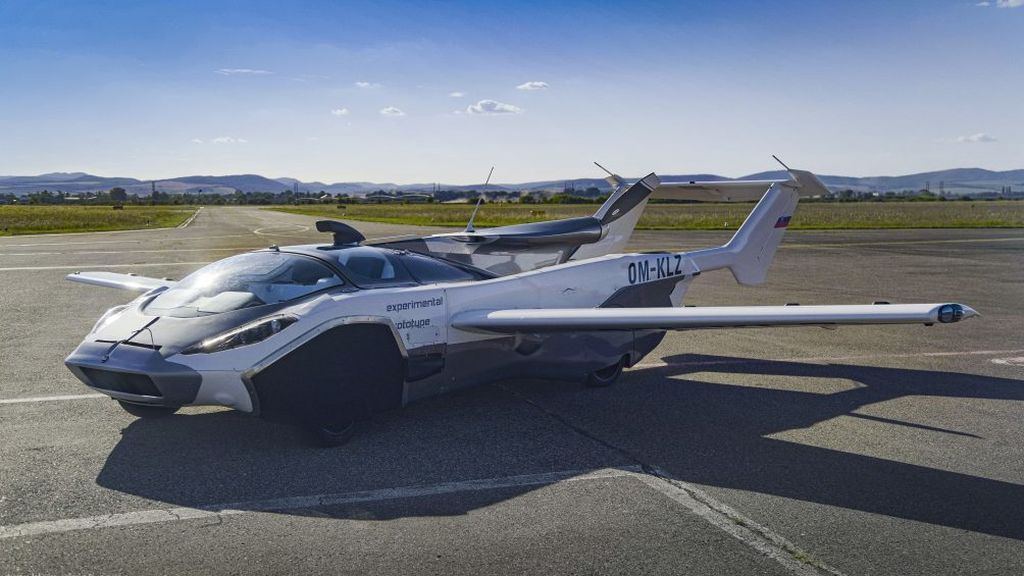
x=331 y=436
x=143 y=411
x=605 y=376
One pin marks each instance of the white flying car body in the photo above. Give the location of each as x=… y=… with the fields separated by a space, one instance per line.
x=326 y=335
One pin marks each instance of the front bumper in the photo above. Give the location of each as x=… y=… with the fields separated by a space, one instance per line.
x=134 y=374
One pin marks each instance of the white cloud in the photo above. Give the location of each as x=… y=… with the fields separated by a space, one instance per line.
x=533 y=85
x=456 y=94
x=980 y=137
x=391 y=111
x=367 y=85
x=340 y=112
x=243 y=72
x=984 y=3
x=486 y=107
x=1009 y=3
x=228 y=140
x=197 y=140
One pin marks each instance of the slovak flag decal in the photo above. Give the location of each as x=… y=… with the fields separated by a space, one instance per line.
x=782 y=222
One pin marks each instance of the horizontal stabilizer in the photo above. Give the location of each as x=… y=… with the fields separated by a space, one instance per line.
x=581 y=319
x=118 y=280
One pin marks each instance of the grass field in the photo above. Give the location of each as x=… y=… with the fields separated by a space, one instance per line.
x=48 y=219
x=809 y=216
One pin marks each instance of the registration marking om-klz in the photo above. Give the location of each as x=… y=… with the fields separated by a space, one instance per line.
x=656 y=268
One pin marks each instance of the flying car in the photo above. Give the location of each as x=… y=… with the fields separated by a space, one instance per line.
x=326 y=335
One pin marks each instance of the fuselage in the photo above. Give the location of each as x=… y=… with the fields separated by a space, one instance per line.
x=391 y=334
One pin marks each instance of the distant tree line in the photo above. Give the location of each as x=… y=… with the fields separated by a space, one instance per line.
x=591 y=195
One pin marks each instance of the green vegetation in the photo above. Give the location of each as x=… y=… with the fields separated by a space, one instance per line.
x=45 y=219
x=809 y=216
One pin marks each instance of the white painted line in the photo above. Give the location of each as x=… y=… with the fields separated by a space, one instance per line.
x=298 y=502
x=289 y=230
x=94 y=252
x=728 y=520
x=100 y=266
x=91 y=242
x=63 y=398
x=826 y=358
x=191 y=218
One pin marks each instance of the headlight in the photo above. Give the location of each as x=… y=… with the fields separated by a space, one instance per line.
x=108 y=317
x=244 y=335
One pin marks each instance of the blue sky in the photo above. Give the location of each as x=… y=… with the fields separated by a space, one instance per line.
x=440 y=91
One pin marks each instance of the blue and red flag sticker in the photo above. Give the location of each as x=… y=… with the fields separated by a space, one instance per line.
x=782 y=222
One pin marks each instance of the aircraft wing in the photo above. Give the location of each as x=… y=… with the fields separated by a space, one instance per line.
x=118 y=280
x=714 y=190
x=582 y=319
x=804 y=182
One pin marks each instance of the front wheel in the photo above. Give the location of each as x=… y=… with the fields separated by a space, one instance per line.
x=606 y=376
x=144 y=411
x=331 y=436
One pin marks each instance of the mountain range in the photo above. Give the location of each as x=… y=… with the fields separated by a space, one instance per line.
x=955 y=181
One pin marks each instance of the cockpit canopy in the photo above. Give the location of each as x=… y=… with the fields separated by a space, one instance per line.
x=274 y=276
x=244 y=281
x=370 y=267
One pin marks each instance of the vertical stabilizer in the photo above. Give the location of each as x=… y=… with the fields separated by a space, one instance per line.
x=750 y=251
x=619 y=216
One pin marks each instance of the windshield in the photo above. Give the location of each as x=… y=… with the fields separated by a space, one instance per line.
x=243 y=281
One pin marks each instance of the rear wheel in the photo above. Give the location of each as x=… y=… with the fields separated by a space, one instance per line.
x=605 y=376
x=144 y=411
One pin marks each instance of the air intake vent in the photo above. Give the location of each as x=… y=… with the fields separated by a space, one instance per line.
x=126 y=382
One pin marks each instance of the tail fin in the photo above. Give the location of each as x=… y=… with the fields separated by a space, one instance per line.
x=750 y=251
x=618 y=216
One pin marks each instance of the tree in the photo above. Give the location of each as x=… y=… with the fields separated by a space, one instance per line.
x=118 y=194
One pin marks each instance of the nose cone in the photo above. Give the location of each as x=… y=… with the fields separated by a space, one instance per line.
x=949 y=313
x=968 y=312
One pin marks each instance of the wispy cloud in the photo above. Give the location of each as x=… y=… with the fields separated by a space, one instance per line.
x=979 y=138
x=533 y=85
x=340 y=112
x=1009 y=3
x=228 y=140
x=488 y=107
x=391 y=111
x=242 y=72
x=197 y=140
x=367 y=85
x=457 y=94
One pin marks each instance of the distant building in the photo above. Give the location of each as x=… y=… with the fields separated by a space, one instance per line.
x=381 y=197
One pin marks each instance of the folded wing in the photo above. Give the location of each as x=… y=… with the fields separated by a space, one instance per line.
x=118 y=280
x=580 y=319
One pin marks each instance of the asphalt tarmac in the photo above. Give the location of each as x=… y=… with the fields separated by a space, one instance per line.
x=861 y=450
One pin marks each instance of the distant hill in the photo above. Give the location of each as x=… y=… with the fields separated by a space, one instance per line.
x=957 y=180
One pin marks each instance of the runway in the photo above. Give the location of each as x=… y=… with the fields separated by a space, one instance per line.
x=861 y=450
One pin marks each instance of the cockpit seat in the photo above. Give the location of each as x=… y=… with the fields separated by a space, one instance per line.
x=368 y=266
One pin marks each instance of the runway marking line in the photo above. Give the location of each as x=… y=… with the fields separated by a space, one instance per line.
x=182 y=239
x=719 y=515
x=94 y=252
x=190 y=218
x=298 y=502
x=62 y=398
x=100 y=266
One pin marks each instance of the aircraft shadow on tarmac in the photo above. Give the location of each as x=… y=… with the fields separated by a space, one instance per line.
x=699 y=432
